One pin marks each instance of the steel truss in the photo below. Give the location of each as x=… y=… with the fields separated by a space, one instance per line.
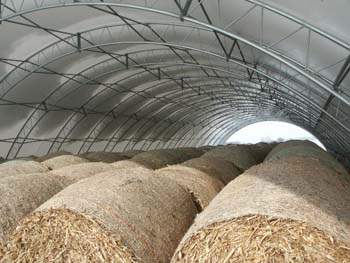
x=219 y=87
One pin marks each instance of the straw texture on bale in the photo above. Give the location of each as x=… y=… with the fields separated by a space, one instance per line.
x=52 y=155
x=131 y=153
x=106 y=157
x=22 y=194
x=292 y=210
x=127 y=208
x=200 y=185
x=224 y=170
x=261 y=150
x=237 y=154
x=73 y=173
x=15 y=167
x=191 y=152
x=292 y=143
x=63 y=160
x=127 y=164
x=206 y=148
x=309 y=151
x=157 y=159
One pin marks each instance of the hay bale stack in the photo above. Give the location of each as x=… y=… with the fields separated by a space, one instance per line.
x=157 y=159
x=224 y=170
x=128 y=164
x=15 y=167
x=73 y=173
x=118 y=216
x=106 y=157
x=286 y=150
x=21 y=194
x=202 y=187
x=52 y=155
x=62 y=161
x=237 y=154
x=131 y=153
x=268 y=214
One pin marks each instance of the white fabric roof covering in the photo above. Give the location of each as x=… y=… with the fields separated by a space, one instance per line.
x=118 y=75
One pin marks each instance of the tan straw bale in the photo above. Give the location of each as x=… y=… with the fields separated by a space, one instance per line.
x=261 y=150
x=63 y=160
x=106 y=157
x=200 y=185
x=73 y=173
x=224 y=170
x=15 y=167
x=191 y=152
x=22 y=194
x=292 y=143
x=237 y=154
x=307 y=151
x=52 y=155
x=131 y=153
x=124 y=215
x=291 y=210
x=124 y=164
x=157 y=159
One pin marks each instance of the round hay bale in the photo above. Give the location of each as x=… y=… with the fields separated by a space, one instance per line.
x=106 y=157
x=292 y=143
x=206 y=148
x=224 y=170
x=237 y=154
x=15 y=167
x=308 y=151
x=63 y=160
x=21 y=194
x=191 y=151
x=157 y=159
x=52 y=155
x=131 y=153
x=73 y=173
x=260 y=150
x=127 y=164
x=122 y=215
x=202 y=187
x=268 y=214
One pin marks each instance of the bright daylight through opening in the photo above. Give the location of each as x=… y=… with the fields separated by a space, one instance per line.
x=269 y=131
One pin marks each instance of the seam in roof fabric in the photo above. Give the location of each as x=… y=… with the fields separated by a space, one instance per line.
x=119 y=75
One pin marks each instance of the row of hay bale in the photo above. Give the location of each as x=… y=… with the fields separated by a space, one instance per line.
x=294 y=207
x=132 y=214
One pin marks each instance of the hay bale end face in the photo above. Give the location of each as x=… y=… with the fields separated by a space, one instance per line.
x=272 y=217
x=200 y=185
x=74 y=173
x=21 y=194
x=224 y=170
x=15 y=167
x=135 y=214
x=191 y=152
x=106 y=157
x=237 y=154
x=62 y=161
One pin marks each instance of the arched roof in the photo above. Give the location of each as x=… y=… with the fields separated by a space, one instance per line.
x=131 y=74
